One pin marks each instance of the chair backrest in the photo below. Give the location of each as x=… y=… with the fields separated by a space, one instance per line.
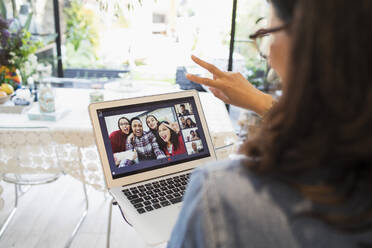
x=78 y=156
x=51 y=150
x=27 y=151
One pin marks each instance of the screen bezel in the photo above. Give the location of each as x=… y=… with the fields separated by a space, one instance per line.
x=130 y=179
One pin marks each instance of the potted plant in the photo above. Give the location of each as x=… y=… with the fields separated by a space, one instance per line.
x=17 y=48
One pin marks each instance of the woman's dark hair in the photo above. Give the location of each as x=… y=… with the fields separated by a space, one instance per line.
x=125 y=118
x=154 y=131
x=173 y=138
x=149 y=117
x=322 y=123
x=192 y=124
x=284 y=9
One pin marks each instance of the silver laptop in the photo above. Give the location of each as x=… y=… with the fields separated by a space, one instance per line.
x=147 y=169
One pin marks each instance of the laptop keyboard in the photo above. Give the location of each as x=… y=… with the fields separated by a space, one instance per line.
x=158 y=194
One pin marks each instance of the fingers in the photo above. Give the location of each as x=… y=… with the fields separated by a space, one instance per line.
x=201 y=80
x=211 y=68
x=219 y=94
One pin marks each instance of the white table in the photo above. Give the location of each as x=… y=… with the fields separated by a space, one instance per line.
x=41 y=146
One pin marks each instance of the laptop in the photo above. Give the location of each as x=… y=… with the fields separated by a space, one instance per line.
x=148 y=173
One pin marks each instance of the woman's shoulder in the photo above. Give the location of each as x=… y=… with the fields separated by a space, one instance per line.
x=179 y=137
x=232 y=180
x=232 y=199
x=241 y=189
x=114 y=133
x=261 y=207
x=234 y=168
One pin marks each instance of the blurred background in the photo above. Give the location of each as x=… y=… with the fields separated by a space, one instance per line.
x=151 y=39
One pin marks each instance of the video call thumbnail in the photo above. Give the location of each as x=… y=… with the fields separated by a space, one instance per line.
x=184 y=109
x=194 y=147
x=187 y=121
x=191 y=134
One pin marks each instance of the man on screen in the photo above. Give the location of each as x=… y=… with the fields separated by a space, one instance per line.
x=184 y=111
x=194 y=147
x=144 y=143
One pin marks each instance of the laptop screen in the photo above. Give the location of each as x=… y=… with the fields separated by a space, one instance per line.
x=145 y=136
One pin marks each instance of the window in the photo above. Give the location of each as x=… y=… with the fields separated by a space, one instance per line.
x=150 y=39
x=245 y=54
x=41 y=27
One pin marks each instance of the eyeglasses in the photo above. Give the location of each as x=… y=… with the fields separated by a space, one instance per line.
x=262 y=38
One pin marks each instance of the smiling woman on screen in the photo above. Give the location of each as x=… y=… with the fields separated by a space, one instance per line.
x=119 y=137
x=170 y=142
x=305 y=180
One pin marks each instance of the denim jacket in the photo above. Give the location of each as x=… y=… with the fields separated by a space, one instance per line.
x=226 y=205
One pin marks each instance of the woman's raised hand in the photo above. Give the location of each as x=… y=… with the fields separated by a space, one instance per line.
x=232 y=88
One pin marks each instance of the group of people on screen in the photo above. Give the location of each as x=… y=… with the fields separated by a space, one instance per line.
x=132 y=144
x=162 y=140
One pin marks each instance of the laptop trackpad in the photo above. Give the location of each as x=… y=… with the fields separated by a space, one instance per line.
x=156 y=227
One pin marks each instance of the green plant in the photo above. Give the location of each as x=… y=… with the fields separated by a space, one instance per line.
x=17 y=46
x=256 y=69
x=256 y=77
x=79 y=25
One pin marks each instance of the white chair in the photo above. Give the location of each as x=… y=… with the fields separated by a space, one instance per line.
x=79 y=158
x=29 y=157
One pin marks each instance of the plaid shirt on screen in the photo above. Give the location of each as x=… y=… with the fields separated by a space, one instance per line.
x=146 y=146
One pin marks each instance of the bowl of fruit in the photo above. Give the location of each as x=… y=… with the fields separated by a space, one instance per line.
x=5 y=91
